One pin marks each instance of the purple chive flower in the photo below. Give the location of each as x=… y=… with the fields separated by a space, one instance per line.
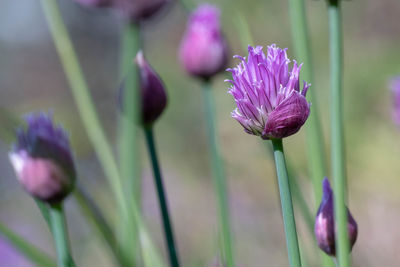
x=95 y=3
x=267 y=94
x=42 y=159
x=203 y=50
x=395 y=88
x=325 y=223
x=138 y=10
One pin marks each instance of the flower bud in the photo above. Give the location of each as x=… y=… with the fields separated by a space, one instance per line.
x=267 y=94
x=95 y=3
x=325 y=223
x=138 y=10
x=153 y=98
x=42 y=159
x=203 y=50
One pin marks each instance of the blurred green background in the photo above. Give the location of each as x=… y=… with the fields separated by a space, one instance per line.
x=32 y=79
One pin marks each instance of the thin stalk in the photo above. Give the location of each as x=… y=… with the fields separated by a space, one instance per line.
x=30 y=251
x=82 y=98
x=337 y=133
x=315 y=144
x=220 y=183
x=44 y=210
x=95 y=217
x=60 y=235
x=287 y=205
x=169 y=236
x=128 y=145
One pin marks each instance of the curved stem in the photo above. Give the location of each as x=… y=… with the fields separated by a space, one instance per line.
x=60 y=235
x=82 y=98
x=169 y=236
x=219 y=175
x=287 y=205
x=337 y=133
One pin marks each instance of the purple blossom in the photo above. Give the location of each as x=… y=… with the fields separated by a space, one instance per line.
x=42 y=158
x=325 y=223
x=203 y=50
x=395 y=88
x=138 y=10
x=268 y=97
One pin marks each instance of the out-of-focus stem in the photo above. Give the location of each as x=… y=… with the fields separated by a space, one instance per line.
x=315 y=140
x=60 y=235
x=337 y=133
x=128 y=145
x=27 y=249
x=169 y=235
x=219 y=176
x=287 y=205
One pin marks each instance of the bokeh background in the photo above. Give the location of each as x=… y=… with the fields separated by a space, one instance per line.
x=32 y=79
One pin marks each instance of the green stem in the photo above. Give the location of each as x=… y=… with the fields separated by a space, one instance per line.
x=169 y=236
x=287 y=206
x=82 y=98
x=219 y=175
x=60 y=235
x=95 y=217
x=27 y=249
x=128 y=145
x=315 y=144
x=337 y=133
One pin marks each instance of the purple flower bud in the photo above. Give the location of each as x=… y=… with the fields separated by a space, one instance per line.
x=203 y=50
x=138 y=10
x=325 y=223
x=95 y=3
x=154 y=97
x=42 y=159
x=395 y=88
x=267 y=95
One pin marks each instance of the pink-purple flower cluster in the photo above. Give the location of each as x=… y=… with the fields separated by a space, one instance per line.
x=42 y=159
x=203 y=50
x=267 y=94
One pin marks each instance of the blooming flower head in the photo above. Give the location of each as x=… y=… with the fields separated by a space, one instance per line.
x=95 y=3
x=203 y=50
x=395 y=88
x=138 y=10
x=325 y=223
x=267 y=94
x=42 y=159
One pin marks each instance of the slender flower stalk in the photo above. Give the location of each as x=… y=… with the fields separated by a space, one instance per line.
x=315 y=144
x=60 y=235
x=168 y=231
x=337 y=132
x=27 y=249
x=128 y=145
x=287 y=206
x=219 y=175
